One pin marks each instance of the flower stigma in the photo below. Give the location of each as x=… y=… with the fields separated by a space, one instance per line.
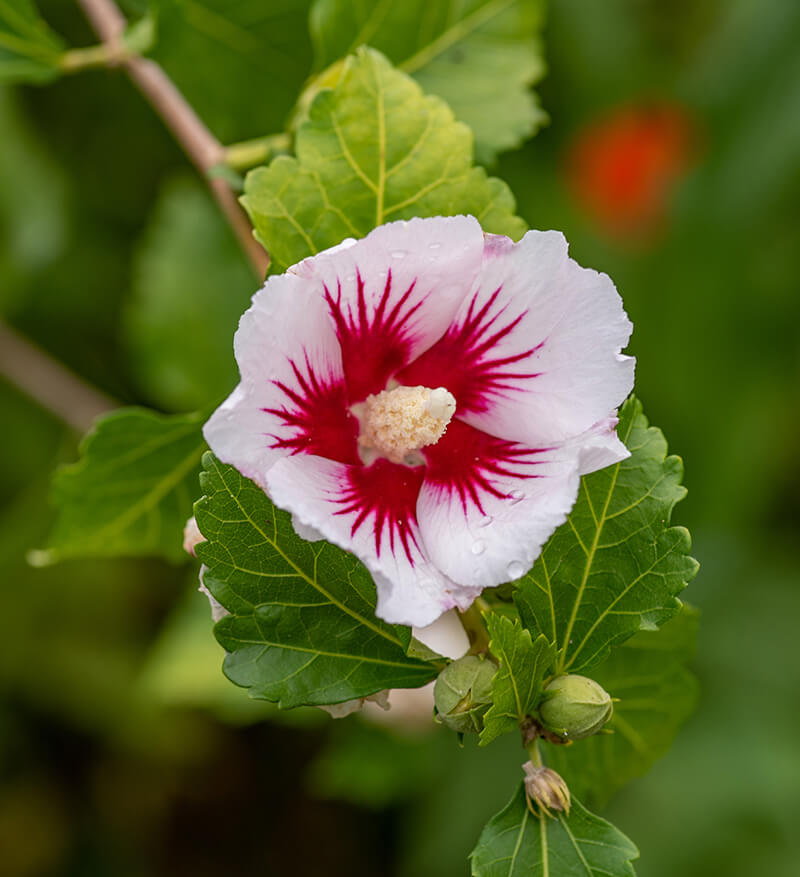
x=396 y=423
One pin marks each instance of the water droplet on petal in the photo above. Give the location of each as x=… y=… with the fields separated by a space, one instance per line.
x=399 y=254
x=485 y=521
x=516 y=496
x=515 y=570
x=478 y=547
x=435 y=246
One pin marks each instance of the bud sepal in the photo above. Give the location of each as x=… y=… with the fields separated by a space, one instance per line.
x=462 y=693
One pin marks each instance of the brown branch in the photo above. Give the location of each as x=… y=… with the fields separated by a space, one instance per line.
x=49 y=383
x=197 y=141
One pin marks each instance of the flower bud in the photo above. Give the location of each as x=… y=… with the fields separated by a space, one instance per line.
x=575 y=707
x=545 y=787
x=463 y=693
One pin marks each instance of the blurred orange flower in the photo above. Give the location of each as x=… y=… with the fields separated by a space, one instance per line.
x=622 y=168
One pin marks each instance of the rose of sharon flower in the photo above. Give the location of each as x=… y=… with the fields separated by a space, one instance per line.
x=427 y=399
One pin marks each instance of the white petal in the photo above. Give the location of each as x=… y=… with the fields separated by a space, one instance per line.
x=487 y=506
x=310 y=534
x=533 y=354
x=292 y=387
x=446 y=636
x=411 y=590
x=395 y=292
x=192 y=536
x=599 y=446
x=217 y=609
x=342 y=710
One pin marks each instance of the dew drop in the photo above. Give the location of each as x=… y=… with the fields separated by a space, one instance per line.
x=515 y=570
x=486 y=521
x=399 y=254
x=435 y=246
x=478 y=547
x=516 y=496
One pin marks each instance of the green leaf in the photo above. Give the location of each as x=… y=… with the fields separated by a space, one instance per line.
x=29 y=50
x=517 y=842
x=616 y=566
x=131 y=492
x=656 y=692
x=191 y=285
x=302 y=628
x=481 y=56
x=240 y=65
x=374 y=149
x=517 y=685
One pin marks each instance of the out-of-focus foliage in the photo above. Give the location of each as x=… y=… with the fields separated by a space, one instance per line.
x=29 y=50
x=102 y=774
x=190 y=286
x=132 y=490
x=240 y=64
x=32 y=209
x=481 y=56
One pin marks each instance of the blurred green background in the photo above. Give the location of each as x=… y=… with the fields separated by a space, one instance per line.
x=122 y=749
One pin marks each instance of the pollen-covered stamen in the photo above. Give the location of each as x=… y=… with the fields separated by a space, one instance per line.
x=396 y=423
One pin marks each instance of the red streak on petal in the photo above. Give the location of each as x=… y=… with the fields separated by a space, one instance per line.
x=374 y=347
x=318 y=412
x=467 y=462
x=462 y=359
x=383 y=496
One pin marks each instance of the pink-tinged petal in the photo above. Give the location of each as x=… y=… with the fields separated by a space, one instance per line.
x=292 y=397
x=487 y=505
x=533 y=355
x=370 y=511
x=394 y=293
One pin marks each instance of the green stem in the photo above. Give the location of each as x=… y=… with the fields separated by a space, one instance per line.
x=103 y=55
x=472 y=622
x=248 y=153
x=533 y=752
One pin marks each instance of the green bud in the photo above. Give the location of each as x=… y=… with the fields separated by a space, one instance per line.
x=575 y=707
x=463 y=693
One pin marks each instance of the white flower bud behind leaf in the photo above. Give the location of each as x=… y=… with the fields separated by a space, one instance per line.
x=575 y=707
x=463 y=693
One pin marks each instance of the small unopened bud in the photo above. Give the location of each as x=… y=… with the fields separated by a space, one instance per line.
x=575 y=707
x=463 y=693
x=545 y=787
